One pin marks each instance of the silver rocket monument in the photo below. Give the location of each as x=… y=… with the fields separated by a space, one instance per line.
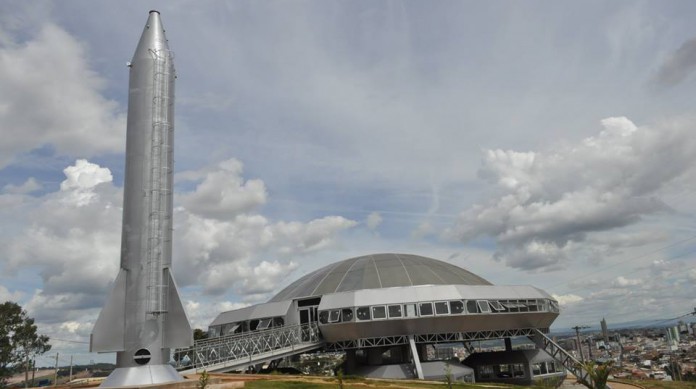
x=143 y=317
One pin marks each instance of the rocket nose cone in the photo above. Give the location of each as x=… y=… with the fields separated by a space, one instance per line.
x=153 y=37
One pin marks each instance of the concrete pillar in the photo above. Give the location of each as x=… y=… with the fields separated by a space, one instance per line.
x=416 y=360
x=538 y=341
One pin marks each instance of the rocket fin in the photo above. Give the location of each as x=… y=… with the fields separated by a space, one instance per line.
x=177 y=330
x=108 y=334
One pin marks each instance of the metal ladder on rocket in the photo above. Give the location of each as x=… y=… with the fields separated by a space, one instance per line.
x=143 y=317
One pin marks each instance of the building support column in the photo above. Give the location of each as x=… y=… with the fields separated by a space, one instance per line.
x=414 y=355
x=508 y=344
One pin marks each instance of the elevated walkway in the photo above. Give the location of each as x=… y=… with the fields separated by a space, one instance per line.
x=559 y=354
x=239 y=351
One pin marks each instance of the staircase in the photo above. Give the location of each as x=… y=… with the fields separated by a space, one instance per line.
x=559 y=354
x=239 y=351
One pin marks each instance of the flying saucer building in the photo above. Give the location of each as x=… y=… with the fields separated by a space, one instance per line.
x=385 y=309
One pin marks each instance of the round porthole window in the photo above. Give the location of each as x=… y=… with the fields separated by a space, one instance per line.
x=142 y=356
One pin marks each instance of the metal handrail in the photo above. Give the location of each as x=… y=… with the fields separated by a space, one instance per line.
x=568 y=361
x=244 y=347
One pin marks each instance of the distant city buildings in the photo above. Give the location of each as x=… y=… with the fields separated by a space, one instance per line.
x=605 y=332
x=645 y=353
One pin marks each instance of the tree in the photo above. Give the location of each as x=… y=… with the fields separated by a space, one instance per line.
x=599 y=374
x=199 y=334
x=19 y=341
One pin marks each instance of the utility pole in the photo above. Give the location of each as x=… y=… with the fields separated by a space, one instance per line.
x=577 y=336
x=55 y=374
x=70 y=368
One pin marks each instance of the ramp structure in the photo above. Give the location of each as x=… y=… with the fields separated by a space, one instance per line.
x=559 y=354
x=241 y=351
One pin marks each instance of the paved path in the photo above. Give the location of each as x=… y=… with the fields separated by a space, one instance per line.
x=571 y=383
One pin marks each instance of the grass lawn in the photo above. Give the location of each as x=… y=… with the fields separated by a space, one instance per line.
x=360 y=383
x=655 y=384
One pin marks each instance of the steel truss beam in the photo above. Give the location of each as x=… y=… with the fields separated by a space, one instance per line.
x=562 y=356
x=450 y=337
x=246 y=348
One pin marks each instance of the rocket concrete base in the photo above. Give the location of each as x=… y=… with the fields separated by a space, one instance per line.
x=141 y=375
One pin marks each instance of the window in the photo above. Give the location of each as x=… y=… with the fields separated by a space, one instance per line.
x=496 y=305
x=523 y=306
x=504 y=371
x=486 y=371
x=536 y=368
x=334 y=315
x=379 y=312
x=426 y=309
x=394 y=311
x=309 y=302
x=554 y=306
x=483 y=306
x=441 y=308
x=532 y=305
x=363 y=313
x=518 y=370
x=551 y=366
x=471 y=306
x=324 y=317
x=511 y=306
x=278 y=321
x=230 y=329
x=253 y=324
x=410 y=310
x=456 y=307
x=347 y=314
x=263 y=324
x=543 y=368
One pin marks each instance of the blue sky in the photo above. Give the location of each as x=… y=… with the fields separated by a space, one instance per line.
x=531 y=143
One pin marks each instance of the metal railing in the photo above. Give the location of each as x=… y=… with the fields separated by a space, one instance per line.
x=568 y=361
x=249 y=347
x=449 y=337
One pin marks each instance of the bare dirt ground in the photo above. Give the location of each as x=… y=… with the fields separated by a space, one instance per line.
x=39 y=374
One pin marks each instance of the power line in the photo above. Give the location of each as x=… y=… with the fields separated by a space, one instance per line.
x=675 y=318
x=69 y=341
x=653 y=323
x=634 y=271
x=603 y=269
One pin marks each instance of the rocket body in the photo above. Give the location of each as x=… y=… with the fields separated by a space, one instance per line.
x=144 y=317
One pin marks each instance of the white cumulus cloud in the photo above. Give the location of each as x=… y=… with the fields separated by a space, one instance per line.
x=374 y=219
x=222 y=193
x=73 y=238
x=29 y=186
x=51 y=97
x=567 y=299
x=550 y=200
x=7 y=295
x=622 y=281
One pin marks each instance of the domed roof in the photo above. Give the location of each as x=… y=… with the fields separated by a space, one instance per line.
x=378 y=271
